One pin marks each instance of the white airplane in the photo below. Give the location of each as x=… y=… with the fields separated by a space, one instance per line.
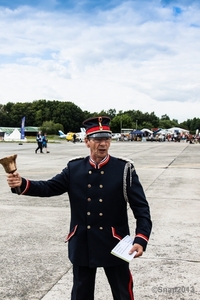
x=61 y=134
x=80 y=135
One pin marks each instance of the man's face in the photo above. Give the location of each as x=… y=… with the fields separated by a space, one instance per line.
x=98 y=147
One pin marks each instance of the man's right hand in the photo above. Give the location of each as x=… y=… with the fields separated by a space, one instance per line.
x=14 y=179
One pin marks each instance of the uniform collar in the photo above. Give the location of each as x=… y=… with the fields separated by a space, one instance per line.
x=101 y=164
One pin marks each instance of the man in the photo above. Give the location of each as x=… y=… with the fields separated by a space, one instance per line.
x=74 y=138
x=44 y=142
x=39 y=142
x=99 y=187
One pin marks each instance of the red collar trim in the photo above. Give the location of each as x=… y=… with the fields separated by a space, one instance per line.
x=101 y=164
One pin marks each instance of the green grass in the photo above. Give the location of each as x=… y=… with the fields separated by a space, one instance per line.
x=51 y=139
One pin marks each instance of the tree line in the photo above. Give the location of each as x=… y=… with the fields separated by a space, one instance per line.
x=50 y=116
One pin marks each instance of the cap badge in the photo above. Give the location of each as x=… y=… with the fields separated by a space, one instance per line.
x=100 y=125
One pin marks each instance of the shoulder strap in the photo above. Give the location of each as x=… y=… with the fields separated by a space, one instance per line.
x=128 y=168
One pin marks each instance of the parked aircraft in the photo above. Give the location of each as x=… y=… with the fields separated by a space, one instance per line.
x=69 y=136
x=80 y=135
x=61 y=134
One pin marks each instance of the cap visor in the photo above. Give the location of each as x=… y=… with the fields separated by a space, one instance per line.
x=100 y=135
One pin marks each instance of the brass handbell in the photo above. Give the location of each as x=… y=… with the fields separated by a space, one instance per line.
x=9 y=164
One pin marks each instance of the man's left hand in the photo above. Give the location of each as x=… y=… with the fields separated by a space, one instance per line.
x=138 y=248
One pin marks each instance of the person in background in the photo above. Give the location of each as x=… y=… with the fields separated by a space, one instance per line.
x=100 y=187
x=44 y=142
x=39 y=139
x=74 y=138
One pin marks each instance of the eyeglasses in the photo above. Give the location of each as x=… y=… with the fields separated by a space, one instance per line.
x=99 y=140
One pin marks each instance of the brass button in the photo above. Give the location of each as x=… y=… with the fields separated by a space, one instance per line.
x=89 y=199
x=102 y=172
x=100 y=214
x=100 y=200
x=101 y=185
x=101 y=228
x=90 y=172
x=88 y=213
x=88 y=227
x=89 y=185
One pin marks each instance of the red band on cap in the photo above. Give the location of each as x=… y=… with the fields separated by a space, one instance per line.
x=97 y=128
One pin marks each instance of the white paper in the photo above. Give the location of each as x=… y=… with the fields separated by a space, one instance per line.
x=122 y=249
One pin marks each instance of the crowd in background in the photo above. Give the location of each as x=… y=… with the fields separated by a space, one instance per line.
x=170 y=137
x=176 y=137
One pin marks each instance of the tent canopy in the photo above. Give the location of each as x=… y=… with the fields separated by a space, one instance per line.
x=14 y=136
x=147 y=130
x=137 y=132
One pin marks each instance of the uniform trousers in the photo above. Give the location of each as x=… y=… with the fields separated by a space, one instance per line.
x=119 y=278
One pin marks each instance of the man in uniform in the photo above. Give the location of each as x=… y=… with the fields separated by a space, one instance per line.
x=100 y=187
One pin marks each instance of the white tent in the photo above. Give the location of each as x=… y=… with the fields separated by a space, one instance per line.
x=14 y=136
x=163 y=132
x=181 y=130
x=148 y=130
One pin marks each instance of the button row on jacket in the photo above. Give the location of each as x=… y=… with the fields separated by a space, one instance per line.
x=89 y=199
x=102 y=172
x=89 y=213
x=89 y=186
x=88 y=227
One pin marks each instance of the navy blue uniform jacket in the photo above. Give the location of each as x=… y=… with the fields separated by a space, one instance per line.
x=98 y=199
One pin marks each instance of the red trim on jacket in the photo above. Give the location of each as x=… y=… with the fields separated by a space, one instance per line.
x=130 y=287
x=92 y=163
x=101 y=164
x=142 y=236
x=115 y=234
x=27 y=187
x=71 y=234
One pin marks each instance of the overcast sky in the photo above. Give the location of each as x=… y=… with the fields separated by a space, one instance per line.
x=103 y=54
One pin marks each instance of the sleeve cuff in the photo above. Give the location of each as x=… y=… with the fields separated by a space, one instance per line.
x=141 y=240
x=24 y=186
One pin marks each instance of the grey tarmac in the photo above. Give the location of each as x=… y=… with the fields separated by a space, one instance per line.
x=34 y=262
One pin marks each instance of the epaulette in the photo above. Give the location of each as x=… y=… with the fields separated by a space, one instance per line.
x=125 y=159
x=76 y=158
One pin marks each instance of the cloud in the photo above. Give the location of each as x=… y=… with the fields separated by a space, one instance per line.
x=124 y=55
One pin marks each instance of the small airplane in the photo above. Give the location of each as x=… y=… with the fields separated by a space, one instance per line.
x=69 y=136
x=81 y=135
x=61 y=134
